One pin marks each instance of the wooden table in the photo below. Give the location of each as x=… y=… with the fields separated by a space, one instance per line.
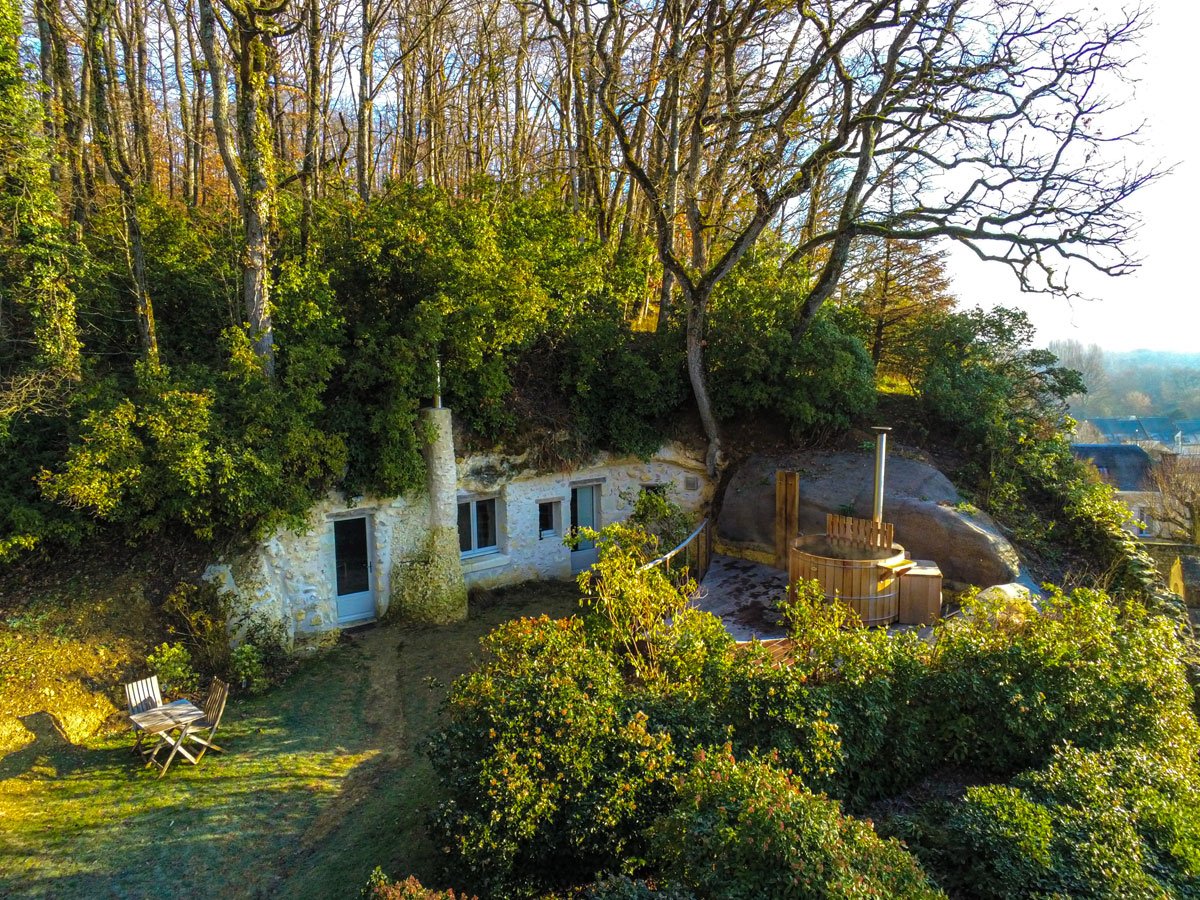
x=159 y=723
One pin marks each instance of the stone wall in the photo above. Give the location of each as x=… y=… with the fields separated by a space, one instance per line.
x=523 y=553
x=290 y=577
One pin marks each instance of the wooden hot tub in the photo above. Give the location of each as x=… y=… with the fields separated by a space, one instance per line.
x=864 y=578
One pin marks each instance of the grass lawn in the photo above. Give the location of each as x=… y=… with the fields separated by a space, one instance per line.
x=323 y=780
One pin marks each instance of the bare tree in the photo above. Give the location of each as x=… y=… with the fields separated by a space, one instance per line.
x=248 y=153
x=1177 y=479
x=982 y=118
x=1090 y=362
x=113 y=135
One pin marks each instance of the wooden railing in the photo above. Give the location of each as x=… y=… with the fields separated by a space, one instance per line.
x=688 y=561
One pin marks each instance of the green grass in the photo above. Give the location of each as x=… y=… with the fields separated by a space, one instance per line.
x=323 y=780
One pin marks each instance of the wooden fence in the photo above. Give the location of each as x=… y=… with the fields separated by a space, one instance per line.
x=690 y=559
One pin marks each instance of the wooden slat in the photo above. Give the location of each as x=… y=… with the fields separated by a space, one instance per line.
x=787 y=514
x=143 y=695
x=166 y=718
x=861 y=532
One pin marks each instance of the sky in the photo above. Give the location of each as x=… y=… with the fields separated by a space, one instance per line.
x=1157 y=307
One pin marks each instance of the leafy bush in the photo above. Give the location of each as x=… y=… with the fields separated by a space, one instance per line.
x=656 y=513
x=270 y=645
x=199 y=613
x=172 y=663
x=747 y=829
x=563 y=747
x=381 y=887
x=547 y=771
x=249 y=671
x=622 y=887
x=1119 y=823
x=851 y=711
x=202 y=615
x=624 y=388
x=218 y=455
x=640 y=615
x=509 y=291
x=823 y=380
x=1082 y=670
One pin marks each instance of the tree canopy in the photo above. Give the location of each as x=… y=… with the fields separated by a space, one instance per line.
x=278 y=215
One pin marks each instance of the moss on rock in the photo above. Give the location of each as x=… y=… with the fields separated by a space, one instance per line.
x=429 y=587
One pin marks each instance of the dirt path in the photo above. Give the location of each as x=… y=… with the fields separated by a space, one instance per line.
x=380 y=816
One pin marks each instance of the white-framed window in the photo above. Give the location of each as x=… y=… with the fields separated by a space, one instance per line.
x=549 y=519
x=478 y=526
x=1144 y=522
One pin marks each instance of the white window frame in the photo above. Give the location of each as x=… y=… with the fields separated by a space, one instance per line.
x=473 y=501
x=555 y=530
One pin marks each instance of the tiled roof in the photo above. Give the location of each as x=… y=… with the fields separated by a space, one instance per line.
x=1125 y=466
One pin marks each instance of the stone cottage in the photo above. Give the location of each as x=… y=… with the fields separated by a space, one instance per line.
x=483 y=520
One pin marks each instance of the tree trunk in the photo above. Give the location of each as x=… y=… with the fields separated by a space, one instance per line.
x=312 y=121
x=365 y=134
x=254 y=179
x=110 y=136
x=185 y=110
x=697 y=305
x=259 y=195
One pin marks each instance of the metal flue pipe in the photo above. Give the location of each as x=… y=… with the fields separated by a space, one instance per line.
x=880 y=457
x=437 y=390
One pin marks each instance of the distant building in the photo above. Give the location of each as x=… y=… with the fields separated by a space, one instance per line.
x=1127 y=468
x=1159 y=432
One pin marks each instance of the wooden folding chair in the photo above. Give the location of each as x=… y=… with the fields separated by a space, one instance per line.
x=214 y=708
x=142 y=696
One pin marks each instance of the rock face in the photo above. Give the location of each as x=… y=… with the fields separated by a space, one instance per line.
x=922 y=504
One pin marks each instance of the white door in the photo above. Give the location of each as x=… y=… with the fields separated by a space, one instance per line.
x=585 y=513
x=352 y=557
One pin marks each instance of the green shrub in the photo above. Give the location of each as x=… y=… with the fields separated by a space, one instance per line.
x=824 y=380
x=562 y=748
x=547 y=772
x=172 y=663
x=851 y=712
x=217 y=452
x=1006 y=841
x=656 y=513
x=622 y=887
x=1118 y=823
x=625 y=389
x=270 y=645
x=643 y=617
x=1012 y=687
x=744 y=830
x=249 y=670
x=381 y=887
x=199 y=614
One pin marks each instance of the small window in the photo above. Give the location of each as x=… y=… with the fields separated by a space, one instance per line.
x=1144 y=522
x=477 y=531
x=660 y=489
x=549 y=519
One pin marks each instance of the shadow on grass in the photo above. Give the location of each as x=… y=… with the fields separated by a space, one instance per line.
x=91 y=821
x=322 y=780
